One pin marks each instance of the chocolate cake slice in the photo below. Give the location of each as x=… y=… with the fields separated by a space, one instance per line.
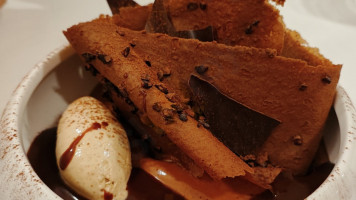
x=289 y=90
x=104 y=46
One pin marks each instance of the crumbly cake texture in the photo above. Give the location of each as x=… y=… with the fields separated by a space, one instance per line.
x=290 y=90
x=133 y=18
x=100 y=43
x=296 y=47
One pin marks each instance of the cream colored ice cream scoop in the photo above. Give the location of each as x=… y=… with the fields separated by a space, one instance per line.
x=92 y=150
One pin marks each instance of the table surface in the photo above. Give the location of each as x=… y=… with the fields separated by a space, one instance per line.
x=30 y=29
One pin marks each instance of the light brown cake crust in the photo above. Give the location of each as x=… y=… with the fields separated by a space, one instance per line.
x=128 y=71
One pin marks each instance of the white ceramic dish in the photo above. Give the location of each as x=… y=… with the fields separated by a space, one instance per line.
x=50 y=86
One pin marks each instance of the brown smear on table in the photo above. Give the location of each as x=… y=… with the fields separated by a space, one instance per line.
x=142 y=186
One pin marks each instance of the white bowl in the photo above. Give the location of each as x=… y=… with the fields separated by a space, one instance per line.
x=50 y=86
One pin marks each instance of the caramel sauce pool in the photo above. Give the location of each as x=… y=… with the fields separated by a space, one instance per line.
x=143 y=186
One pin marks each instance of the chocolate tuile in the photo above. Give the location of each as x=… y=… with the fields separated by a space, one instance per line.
x=240 y=128
x=115 y=5
x=159 y=22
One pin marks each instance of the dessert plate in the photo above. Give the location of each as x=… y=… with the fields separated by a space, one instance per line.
x=51 y=85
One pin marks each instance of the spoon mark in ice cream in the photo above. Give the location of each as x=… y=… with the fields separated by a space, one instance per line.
x=69 y=153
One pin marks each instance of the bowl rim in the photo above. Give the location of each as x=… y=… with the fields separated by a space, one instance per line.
x=22 y=181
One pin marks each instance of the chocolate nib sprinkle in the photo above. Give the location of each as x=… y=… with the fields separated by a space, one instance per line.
x=240 y=128
x=202 y=6
x=105 y=58
x=326 y=79
x=88 y=57
x=132 y=45
x=203 y=123
x=183 y=117
x=148 y=63
x=303 y=87
x=178 y=107
x=157 y=107
x=146 y=84
x=162 y=89
x=126 y=52
x=168 y=114
x=250 y=28
x=201 y=69
x=192 y=6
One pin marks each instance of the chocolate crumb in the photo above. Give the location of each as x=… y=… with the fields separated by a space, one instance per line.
x=105 y=59
x=178 y=107
x=201 y=69
x=202 y=122
x=88 y=57
x=192 y=6
x=148 y=63
x=132 y=45
x=162 y=89
x=202 y=6
x=146 y=84
x=326 y=79
x=168 y=114
x=249 y=29
x=298 y=140
x=172 y=97
x=303 y=87
x=157 y=107
x=183 y=117
x=126 y=52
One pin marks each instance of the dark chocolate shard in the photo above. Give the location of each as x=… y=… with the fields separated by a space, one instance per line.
x=115 y=5
x=160 y=22
x=240 y=128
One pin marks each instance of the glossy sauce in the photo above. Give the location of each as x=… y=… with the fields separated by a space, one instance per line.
x=41 y=155
x=67 y=156
x=143 y=186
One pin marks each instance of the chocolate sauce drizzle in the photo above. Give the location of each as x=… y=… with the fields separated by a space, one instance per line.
x=67 y=156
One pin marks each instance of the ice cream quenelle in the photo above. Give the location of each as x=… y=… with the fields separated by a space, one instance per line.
x=93 y=151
